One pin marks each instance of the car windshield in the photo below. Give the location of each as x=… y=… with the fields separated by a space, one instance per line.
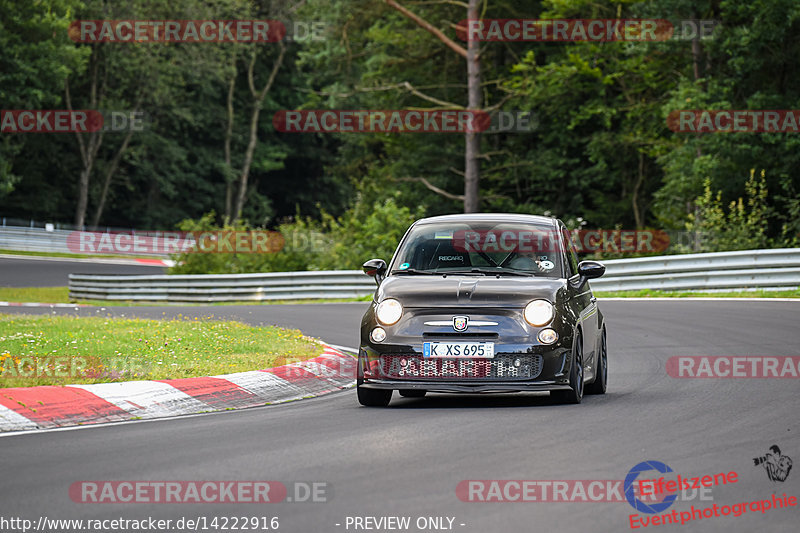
x=508 y=248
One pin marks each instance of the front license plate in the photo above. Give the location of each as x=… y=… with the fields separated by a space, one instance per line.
x=468 y=350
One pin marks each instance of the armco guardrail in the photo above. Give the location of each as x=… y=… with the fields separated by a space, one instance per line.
x=223 y=287
x=55 y=240
x=748 y=269
x=34 y=239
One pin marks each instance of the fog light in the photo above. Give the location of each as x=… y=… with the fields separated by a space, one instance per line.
x=378 y=335
x=548 y=336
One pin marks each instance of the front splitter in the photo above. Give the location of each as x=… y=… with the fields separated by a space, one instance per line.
x=437 y=386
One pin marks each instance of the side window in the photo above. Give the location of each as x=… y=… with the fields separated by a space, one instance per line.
x=569 y=252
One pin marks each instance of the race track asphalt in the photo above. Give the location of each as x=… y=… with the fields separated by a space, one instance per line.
x=406 y=460
x=23 y=271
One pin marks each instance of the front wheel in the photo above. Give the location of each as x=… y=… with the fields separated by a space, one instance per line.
x=373 y=397
x=601 y=381
x=575 y=394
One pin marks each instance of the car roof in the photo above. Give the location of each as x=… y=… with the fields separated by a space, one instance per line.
x=491 y=217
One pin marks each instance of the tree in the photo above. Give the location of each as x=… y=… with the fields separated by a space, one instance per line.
x=122 y=76
x=257 y=102
x=472 y=144
x=37 y=57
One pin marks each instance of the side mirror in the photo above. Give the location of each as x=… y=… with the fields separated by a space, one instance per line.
x=375 y=268
x=591 y=269
x=587 y=270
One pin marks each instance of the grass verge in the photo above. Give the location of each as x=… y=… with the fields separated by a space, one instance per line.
x=50 y=295
x=55 y=295
x=59 y=350
x=67 y=255
x=646 y=293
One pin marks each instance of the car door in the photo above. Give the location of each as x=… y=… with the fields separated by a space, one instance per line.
x=583 y=303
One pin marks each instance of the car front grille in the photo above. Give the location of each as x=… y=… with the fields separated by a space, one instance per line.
x=460 y=335
x=502 y=367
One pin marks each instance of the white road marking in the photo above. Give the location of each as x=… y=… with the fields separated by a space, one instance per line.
x=11 y=420
x=147 y=399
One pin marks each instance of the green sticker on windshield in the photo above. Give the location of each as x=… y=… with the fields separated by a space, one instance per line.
x=404 y=266
x=443 y=235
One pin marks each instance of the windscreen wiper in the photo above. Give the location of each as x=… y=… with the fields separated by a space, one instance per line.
x=490 y=272
x=416 y=271
x=494 y=272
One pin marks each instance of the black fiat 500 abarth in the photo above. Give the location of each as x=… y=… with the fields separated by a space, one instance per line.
x=483 y=303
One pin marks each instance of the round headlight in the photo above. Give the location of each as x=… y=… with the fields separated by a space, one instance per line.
x=389 y=311
x=539 y=313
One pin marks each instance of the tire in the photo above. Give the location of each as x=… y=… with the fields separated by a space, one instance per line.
x=600 y=383
x=374 y=397
x=412 y=393
x=575 y=394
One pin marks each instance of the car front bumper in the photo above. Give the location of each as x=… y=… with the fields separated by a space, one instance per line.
x=514 y=368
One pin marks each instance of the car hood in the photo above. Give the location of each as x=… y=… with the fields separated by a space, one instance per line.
x=475 y=291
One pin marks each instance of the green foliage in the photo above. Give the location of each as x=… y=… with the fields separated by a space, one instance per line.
x=742 y=227
x=789 y=215
x=342 y=243
x=37 y=57
x=601 y=150
x=301 y=243
x=363 y=233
